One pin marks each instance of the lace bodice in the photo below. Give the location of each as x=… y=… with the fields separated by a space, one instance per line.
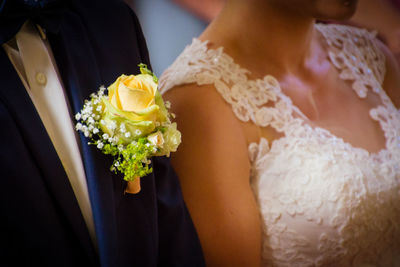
x=323 y=201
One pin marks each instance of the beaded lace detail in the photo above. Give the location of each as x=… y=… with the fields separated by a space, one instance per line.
x=323 y=201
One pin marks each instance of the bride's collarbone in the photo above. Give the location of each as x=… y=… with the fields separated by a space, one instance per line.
x=330 y=104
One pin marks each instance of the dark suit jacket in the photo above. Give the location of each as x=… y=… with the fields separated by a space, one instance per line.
x=41 y=223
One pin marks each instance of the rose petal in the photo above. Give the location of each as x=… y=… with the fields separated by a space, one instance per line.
x=133 y=99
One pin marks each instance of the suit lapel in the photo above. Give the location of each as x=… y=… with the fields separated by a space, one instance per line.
x=81 y=77
x=38 y=142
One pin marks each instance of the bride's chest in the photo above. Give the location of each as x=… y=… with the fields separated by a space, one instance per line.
x=312 y=183
x=316 y=200
x=333 y=105
x=323 y=168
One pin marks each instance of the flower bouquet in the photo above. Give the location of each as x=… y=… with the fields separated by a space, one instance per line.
x=131 y=123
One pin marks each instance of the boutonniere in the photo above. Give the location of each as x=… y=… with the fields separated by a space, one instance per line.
x=131 y=123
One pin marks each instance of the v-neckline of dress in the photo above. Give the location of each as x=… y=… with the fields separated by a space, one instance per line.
x=305 y=122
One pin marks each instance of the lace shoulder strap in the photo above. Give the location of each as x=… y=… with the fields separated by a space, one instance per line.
x=355 y=52
x=258 y=100
x=198 y=64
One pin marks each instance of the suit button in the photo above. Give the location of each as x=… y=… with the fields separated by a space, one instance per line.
x=41 y=78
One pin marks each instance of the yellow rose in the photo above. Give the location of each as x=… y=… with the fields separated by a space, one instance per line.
x=133 y=93
x=134 y=101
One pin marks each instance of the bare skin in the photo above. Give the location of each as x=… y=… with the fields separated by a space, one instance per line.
x=265 y=37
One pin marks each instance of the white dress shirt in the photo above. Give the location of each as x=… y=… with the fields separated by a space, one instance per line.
x=33 y=60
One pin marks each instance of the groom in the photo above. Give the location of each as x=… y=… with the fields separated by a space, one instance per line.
x=60 y=204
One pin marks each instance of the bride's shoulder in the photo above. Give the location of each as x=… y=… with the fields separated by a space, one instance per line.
x=342 y=32
x=195 y=104
x=193 y=86
x=350 y=46
x=353 y=43
x=206 y=81
x=184 y=70
x=202 y=65
x=391 y=81
x=192 y=76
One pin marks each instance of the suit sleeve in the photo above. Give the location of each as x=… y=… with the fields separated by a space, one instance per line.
x=179 y=244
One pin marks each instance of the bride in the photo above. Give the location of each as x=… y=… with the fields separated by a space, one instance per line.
x=291 y=137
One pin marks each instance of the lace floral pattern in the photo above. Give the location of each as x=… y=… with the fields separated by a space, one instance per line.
x=248 y=98
x=323 y=202
x=356 y=54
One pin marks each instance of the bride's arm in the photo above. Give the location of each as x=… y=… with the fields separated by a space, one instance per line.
x=213 y=166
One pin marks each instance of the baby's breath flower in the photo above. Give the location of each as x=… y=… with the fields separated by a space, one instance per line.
x=95 y=131
x=105 y=136
x=138 y=132
x=78 y=126
x=78 y=116
x=120 y=148
x=112 y=125
x=128 y=134
x=89 y=108
x=100 y=145
x=122 y=128
x=101 y=91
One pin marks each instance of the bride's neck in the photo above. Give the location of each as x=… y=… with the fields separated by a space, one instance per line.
x=254 y=35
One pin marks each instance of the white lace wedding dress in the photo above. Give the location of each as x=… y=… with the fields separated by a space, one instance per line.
x=323 y=201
